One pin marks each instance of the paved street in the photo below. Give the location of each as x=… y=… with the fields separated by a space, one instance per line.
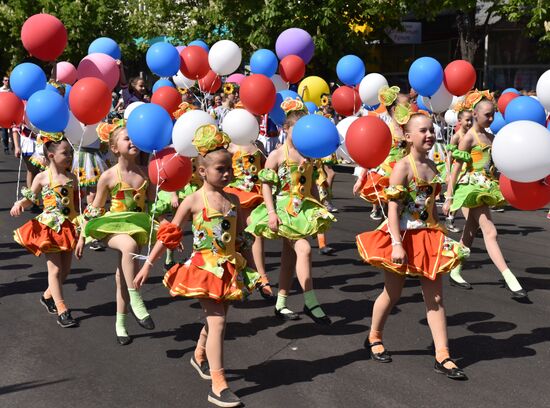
x=503 y=345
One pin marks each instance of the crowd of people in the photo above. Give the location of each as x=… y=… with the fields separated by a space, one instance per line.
x=239 y=196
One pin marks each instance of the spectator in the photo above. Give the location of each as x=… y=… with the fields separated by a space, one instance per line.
x=6 y=133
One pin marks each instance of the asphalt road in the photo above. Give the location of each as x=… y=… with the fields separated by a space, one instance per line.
x=503 y=345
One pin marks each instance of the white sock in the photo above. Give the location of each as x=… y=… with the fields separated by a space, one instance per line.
x=511 y=280
x=455 y=274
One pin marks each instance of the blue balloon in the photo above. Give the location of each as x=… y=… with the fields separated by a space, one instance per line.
x=201 y=44
x=105 y=45
x=420 y=104
x=350 y=70
x=50 y=87
x=315 y=136
x=311 y=107
x=525 y=108
x=162 y=82
x=26 y=79
x=513 y=90
x=277 y=115
x=150 y=127
x=426 y=75
x=67 y=92
x=498 y=123
x=163 y=59
x=264 y=62
x=48 y=111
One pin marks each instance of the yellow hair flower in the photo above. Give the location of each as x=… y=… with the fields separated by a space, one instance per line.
x=208 y=138
x=387 y=95
x=290 y=104
x=228 y=88
x=325 y=100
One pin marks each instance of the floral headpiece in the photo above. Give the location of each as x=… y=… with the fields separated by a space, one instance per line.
x=239 y=105
x=387 y=95
x=105 y=130
x=183 y=108
x=44 y=137
x=291 y=104
x=57 y=85
x=183 y=91
x=325 y=100
x=208 y=138
x=475 y=96
x=403 y=112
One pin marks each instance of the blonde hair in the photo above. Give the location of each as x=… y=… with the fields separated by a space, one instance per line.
x=113 y=137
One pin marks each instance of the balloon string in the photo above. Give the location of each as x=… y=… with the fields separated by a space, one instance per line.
x=18 y=176
x=154 y=209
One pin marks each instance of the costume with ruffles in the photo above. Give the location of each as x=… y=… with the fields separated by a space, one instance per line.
x=429 y=251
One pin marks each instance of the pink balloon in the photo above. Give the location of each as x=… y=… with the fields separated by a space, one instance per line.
x=66 y=72
x=101 y=66
x=235 y=78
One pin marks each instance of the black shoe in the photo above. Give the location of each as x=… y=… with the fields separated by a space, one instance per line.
x=265 y=295
x=123 y=340
x=66 y=320
x=203 y=368
x=326 y=250
x=452 y=373
x=147 y=322
x=225 y=399
x=518 y=294
x=49 y=304
x=325 y=320
x=383 y=357
x=96 y=246
x=460 y=285
x=169 y=265
x=286 y=316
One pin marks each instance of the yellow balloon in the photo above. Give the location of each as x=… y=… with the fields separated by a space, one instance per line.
x=312 y=88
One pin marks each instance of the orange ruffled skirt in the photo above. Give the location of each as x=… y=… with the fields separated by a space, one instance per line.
x=188 y=280
x=373 y=190
x=248 y=199
x=429 y=252
x=41 y=239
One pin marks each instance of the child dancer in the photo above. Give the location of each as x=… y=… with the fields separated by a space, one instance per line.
x=477 y=190
x=52 y=233
x=216 y=273
x=465 y=118
x=412 y=243
x=372 y=183
x=125 y=228
x=324 y=187
x=292 y=215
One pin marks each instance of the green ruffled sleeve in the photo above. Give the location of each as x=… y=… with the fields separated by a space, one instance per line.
x=268 y=176
x=462 y=156
x=451 y=148
x=396 y=192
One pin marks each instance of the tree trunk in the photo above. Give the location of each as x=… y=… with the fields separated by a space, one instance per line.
x=466 y=25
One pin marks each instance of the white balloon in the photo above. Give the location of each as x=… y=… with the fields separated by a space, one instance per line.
x=130 y=108
x=182 y=81
x=79 y=134
x=185 y=128
x=224 y=57
x=439 y=101
x=342 y=128
x=369 y=87
x=521 y=151
x=241 y=126
x=543 y=90
x=280 y=85
x=451 y=117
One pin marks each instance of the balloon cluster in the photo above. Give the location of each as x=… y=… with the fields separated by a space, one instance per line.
x=521 y=149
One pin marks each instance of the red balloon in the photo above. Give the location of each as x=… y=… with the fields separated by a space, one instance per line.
x=525 y=196
x=167 y=97
x=194 y=62
x=292 y=69
x=44 y=37
x=210 y=83
x=459 y=77
x=90 y=100
x=504 y=100
x=346 y=101
x=169 y=170
x=12 y=110
x=368 y=141
x=258 y=94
